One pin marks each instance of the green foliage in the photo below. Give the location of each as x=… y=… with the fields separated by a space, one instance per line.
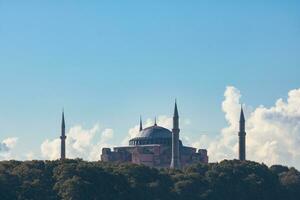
x=80 y=180
x=290 y=180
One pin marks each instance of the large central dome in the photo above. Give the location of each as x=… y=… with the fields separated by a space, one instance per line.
x=153 y=135
x=155 y=132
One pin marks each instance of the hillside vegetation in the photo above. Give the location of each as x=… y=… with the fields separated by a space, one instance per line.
x=81 y=180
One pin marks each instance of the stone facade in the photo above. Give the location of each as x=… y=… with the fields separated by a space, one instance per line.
x=153 y=155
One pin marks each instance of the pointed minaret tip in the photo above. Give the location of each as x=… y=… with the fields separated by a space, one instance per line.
x=242 y=117
x=176 y=109
x=63 y=118
x=141 y=123
x=155 y=122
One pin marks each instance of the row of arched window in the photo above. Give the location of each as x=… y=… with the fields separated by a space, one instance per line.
x=145 y=141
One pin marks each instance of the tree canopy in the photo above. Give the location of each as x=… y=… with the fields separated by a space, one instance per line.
x=80 y=180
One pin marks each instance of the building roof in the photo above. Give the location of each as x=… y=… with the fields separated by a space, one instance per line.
x=152 y=135
x=155 y=132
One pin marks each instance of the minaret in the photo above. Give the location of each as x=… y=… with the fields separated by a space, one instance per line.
x=63 y=138
x=141 y=124
x=242 y=137
x=175 y=162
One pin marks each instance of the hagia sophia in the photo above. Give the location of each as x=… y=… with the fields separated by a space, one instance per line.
x=159 y=147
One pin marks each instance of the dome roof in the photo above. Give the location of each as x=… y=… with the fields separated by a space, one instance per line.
x=155 y=132
x=153 y=135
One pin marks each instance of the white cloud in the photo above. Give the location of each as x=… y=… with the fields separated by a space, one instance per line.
x=10 y=142
x=88 y=143
x=51 y=149
x=273 y=134
x=6 y=148
x=80 y=143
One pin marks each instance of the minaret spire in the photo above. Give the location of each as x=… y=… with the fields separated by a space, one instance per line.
x=175 y=162
x=63 y=137
x=175 y=109
x=155 y=122
x=141 y=123
x=242 y=136
x=242 y=116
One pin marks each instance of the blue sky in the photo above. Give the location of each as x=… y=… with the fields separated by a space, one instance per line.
x=108 y=62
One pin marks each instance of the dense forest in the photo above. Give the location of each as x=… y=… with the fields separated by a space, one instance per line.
x=77 y=179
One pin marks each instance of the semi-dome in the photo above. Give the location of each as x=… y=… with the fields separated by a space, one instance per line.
x=153 y=135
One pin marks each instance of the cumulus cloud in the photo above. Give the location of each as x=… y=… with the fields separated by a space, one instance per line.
x=87 y=143
x=51 y=149
x=273 y=134
x=80 y=143
x=6 y=148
